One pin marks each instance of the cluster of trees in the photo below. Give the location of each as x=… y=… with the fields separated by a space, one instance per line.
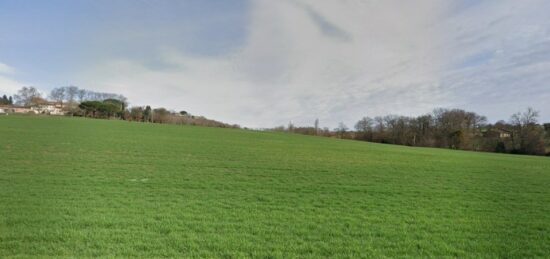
x=162 y=115
x=107 y=108
x=67 y=96
x=28 y=96
x=5 y=100
x=72 y=95
x=446 y=128
x=527 y=136
x=116 y=108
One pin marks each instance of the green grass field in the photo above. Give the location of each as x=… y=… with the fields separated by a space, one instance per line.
x=74 y=187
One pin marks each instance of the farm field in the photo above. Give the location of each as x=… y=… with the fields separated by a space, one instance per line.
x=75 y=187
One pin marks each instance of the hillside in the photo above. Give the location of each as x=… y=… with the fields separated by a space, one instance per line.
x=86 y=187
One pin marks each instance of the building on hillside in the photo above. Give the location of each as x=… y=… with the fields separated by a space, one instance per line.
x=51 y=108
x=23 y=109
x=503 y=133
x=17 y=109
x=4 y=109
x=497 y=133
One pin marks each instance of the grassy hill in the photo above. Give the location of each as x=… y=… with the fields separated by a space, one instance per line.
x=84 y=187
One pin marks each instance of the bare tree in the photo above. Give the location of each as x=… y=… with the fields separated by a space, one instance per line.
x=70 y=94
x=527 y=136
x=161 y=115
x=364 y=128
x=27 y=96
x=136 y=113
x=58 y=95
x=341 y=130
x=123 y=100
x=290 y=127
x=82 y=93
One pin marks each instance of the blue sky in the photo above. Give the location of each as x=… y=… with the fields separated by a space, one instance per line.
x=50 y=41
x=263 y=63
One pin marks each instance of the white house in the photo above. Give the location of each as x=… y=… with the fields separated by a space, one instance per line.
x=51 y=108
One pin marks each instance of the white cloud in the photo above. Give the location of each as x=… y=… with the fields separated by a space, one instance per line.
x=301 y=60
x=5 y=69
x=8 y=85
x=498 y=55
x=340 y=60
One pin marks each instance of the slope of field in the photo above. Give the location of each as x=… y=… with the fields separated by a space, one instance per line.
x=84 y=187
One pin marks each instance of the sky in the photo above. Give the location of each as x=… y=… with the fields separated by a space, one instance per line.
x=264 y=63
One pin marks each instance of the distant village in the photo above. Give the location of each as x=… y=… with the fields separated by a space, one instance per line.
x=60 y=101
x=49 y=108
x=74 y=101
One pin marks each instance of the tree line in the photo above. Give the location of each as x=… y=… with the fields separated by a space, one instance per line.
x=446 y=128
x=442 y=128
x=75 y=101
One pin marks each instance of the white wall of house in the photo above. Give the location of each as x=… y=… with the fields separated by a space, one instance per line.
x=47 y=109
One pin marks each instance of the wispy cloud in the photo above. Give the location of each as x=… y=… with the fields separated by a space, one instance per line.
x=499 y=59
x=299 y=63
x=264 y=63
x=5 y=69
x=8 y=85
